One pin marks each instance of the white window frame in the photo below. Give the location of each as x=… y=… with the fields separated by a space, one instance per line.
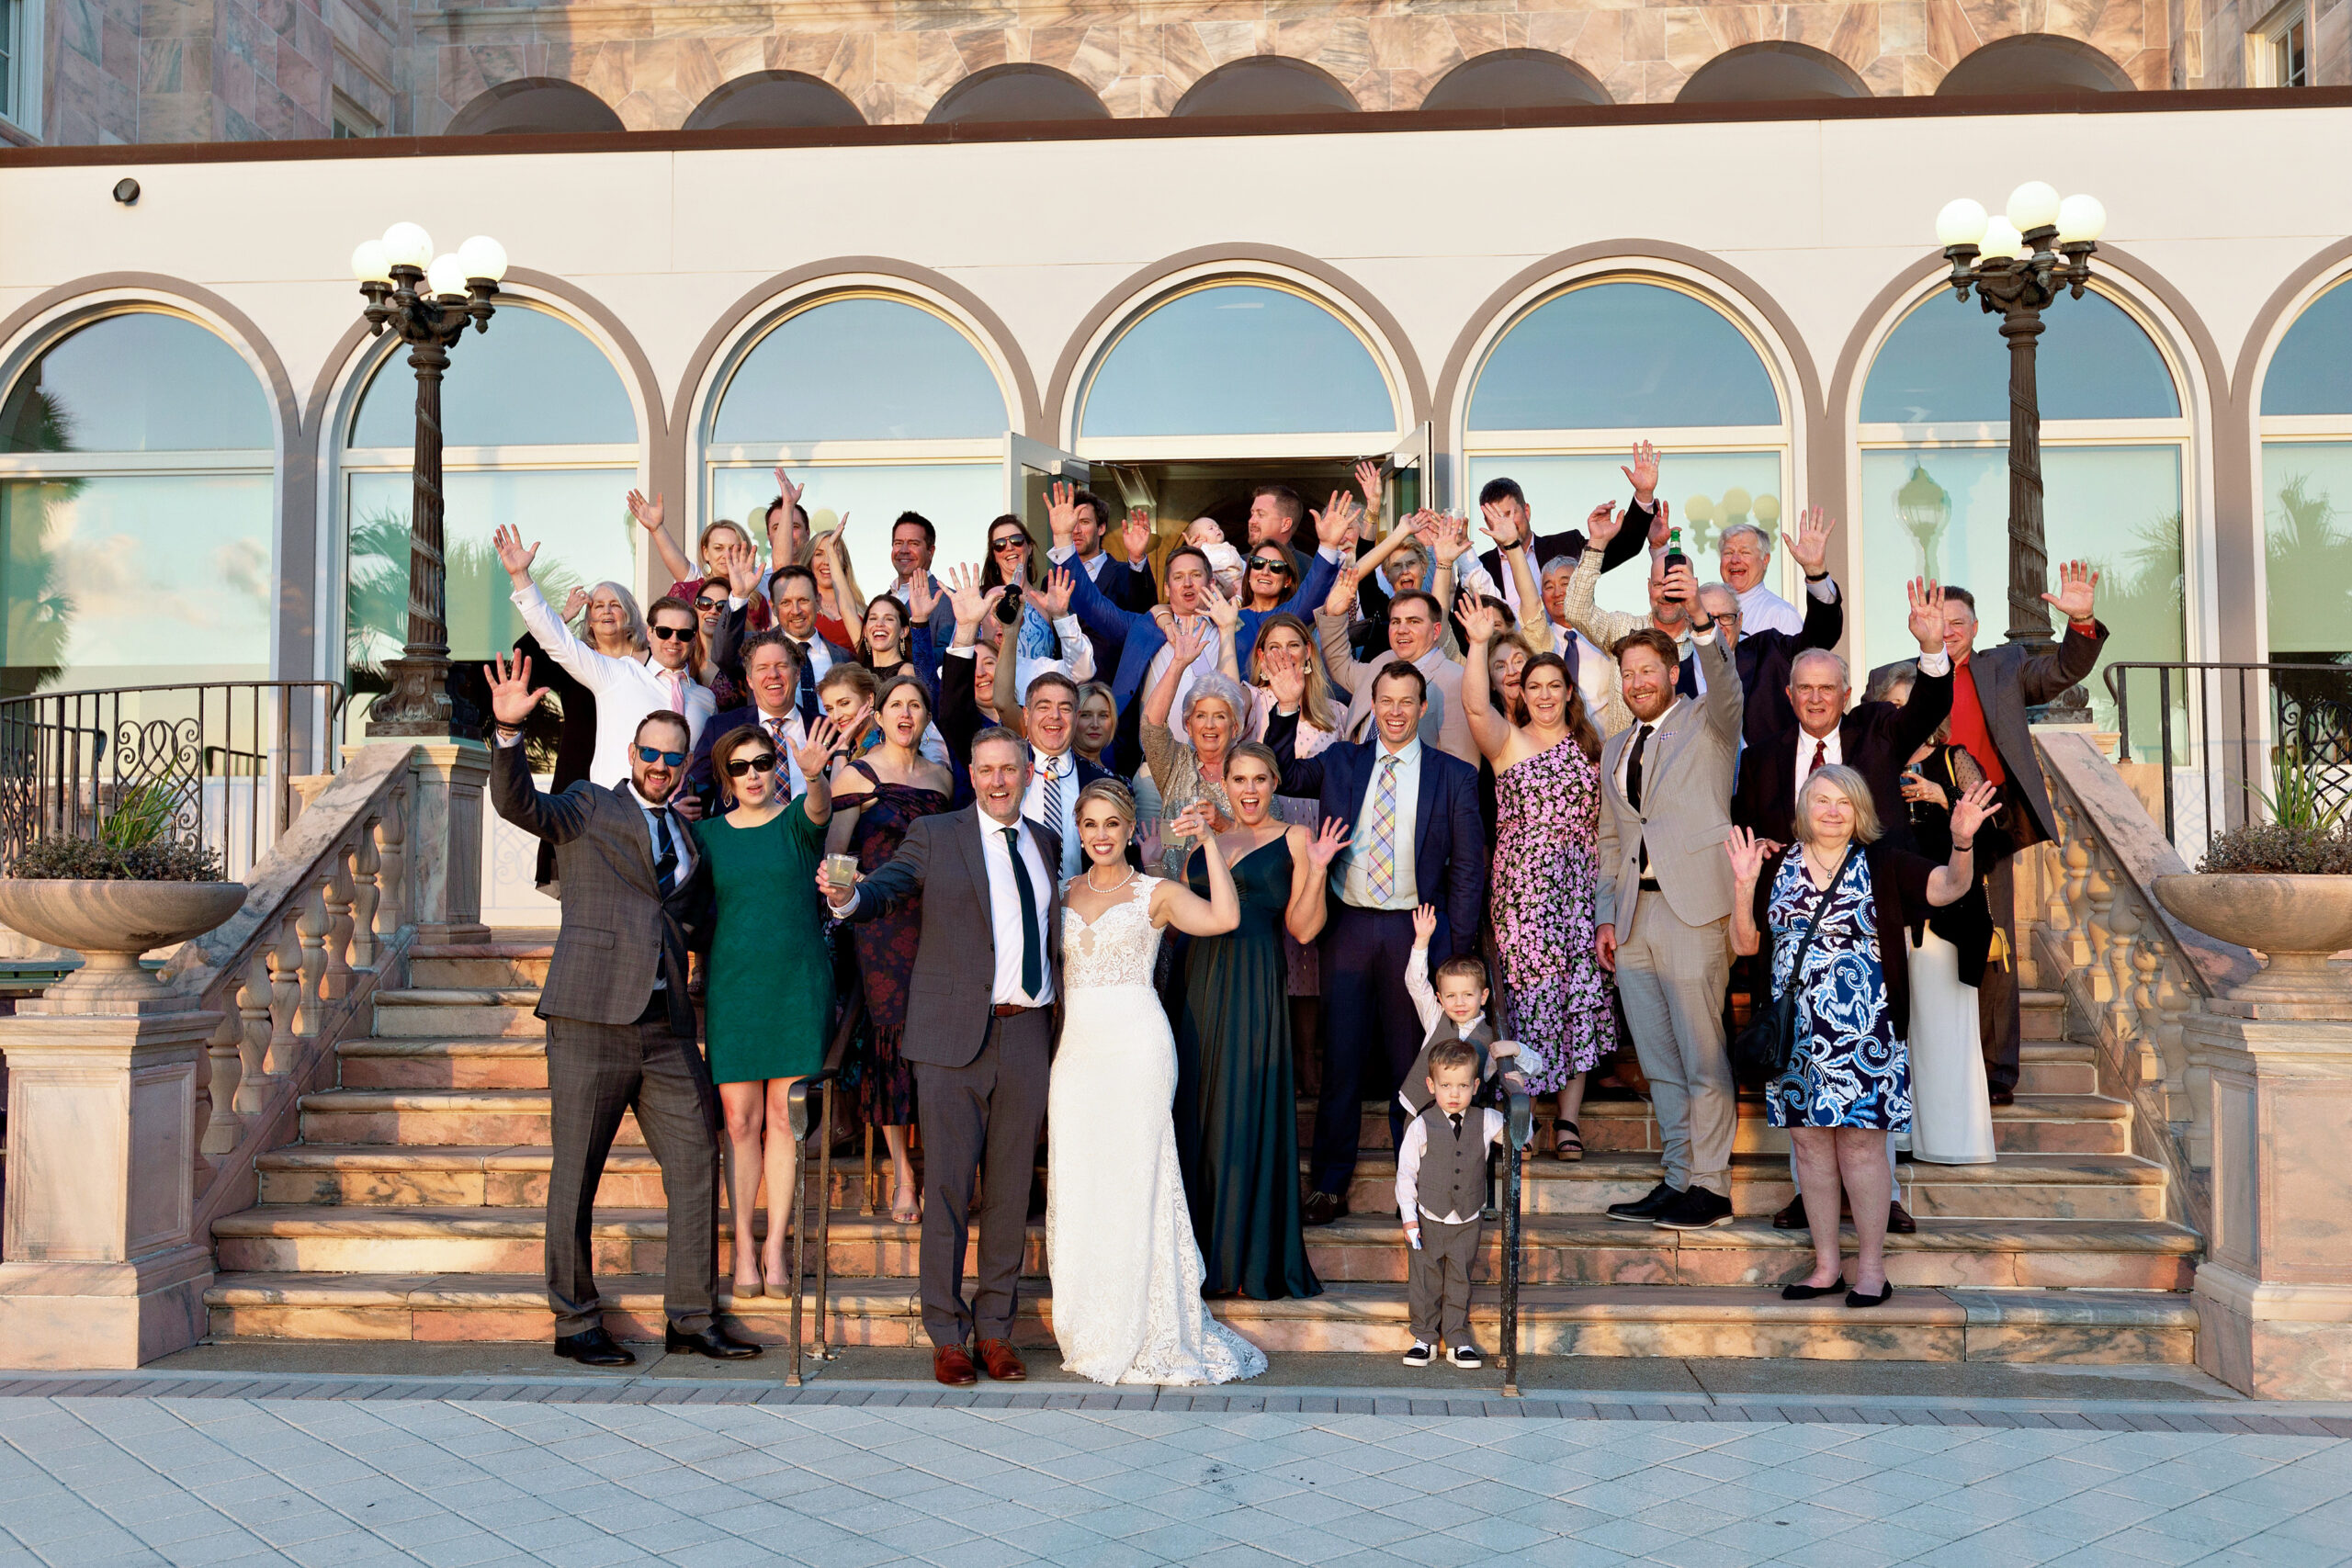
x=2268 y=36
x=27 y=22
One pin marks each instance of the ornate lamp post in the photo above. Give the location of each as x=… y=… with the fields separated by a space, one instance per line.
x=2010 y=263
x=1925 y=507
x=428 y=306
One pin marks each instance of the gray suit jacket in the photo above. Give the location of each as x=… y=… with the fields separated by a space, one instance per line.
x=1687 y=776
x=1445 y=725
x=950 y=1003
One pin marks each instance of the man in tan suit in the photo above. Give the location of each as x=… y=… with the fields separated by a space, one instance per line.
x=1664 y=903
x=1417 y=636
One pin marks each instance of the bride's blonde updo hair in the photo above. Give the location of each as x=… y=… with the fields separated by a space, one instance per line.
x=1121 y=798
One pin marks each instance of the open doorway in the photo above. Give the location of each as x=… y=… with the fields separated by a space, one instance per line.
x=1176 y=492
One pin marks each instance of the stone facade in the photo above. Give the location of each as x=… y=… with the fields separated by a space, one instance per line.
x=232 y=70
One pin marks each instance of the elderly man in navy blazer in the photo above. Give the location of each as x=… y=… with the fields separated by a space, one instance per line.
x=1415 y=839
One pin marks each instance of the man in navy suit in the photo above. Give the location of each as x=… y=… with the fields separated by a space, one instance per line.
x=1416 y=839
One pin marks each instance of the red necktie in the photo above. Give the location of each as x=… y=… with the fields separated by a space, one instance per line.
x=1820 y=757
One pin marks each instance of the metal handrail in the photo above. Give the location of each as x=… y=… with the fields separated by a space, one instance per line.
x=1520 y=1131
x=796 y=1102
x=2282 y=714
x=68 y=758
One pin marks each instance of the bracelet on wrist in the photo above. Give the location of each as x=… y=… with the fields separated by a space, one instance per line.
x=1816 y=577
x=1959 y=848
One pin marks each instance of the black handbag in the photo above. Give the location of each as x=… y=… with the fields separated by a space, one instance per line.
x=1759 y=1054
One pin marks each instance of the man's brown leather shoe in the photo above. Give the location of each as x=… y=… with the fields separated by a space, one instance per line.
x=1899 y=1220
x=952 y=1364
x=1004 y=1364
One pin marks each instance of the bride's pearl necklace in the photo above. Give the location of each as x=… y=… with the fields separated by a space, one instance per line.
x=1114 y=886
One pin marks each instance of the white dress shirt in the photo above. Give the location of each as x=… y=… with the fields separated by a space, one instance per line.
x=1761 y=610
x=1832 y=753
x=626 y=689
x=1408 y=1164
x=1004 y=912
x=1351 y=874
x=1063 y=767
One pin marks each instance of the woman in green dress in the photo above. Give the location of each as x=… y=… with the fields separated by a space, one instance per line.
x=769 y=999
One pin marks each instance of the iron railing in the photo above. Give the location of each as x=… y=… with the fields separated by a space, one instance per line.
x=2222 y=728
x=1518 y=1117
x=224 y=753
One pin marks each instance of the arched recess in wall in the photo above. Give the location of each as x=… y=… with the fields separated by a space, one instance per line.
x=1695 y=373
x=2306 y=426
x=1016 y=93
x=138 y=500
x=1516 y=79
x=2118 y=463
x=910 y=414
x=2036 y=64
x=533 y=105
x=1259 y=84
x=1773 y=70
x=774 y=100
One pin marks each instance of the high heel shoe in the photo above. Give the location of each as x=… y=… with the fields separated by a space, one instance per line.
x=1855 y=1298
x=1803 y=1293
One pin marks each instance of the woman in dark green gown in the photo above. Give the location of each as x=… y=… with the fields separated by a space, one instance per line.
x=1237 y=1110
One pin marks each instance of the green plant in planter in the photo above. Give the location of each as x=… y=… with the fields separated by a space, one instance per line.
x=2307 y=835
x=132 y=844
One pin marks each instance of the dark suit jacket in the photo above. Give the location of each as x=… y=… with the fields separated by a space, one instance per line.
x=1449 y=843
x=700 y=781
x=619 y=934
x=1570 y=543
x=2010 y=679
x=1128 y=586
x=726 y=645
x=950 y=1003
x=1764 y=660
x=1875 y=738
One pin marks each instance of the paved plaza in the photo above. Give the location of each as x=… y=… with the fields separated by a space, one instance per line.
x=194 y=1466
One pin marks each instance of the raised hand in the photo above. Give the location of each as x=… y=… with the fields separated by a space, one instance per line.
x=1681 y=588
x=1062 y=510
x=743 y=568
x=507 y=540
x=787 y=489
x=1343 y=597
x=1504 y=533
x=1601 y=523
x=1285 y=676
x=1642 y=474
x=1661 y=520
x=649 y=514
x=1333 y=525
x=1972 y=810
x=921 y=599
x=574 y=601
x=1747 y=854
x=1368 y=481
x=1225 y=612
x=1809 y=545
x=1053 y=599
x=1325 y=846
x=1187 y=640
x=820 y=740
x=1479 y=622
x=2077 y=590
x=1452 y=541
x=972 y=602
x=1424 y=921
x=1137 y=535
x=512 y=697
x=1927 y=612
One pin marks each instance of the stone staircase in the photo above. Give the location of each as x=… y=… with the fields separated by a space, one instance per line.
x=411 y=1209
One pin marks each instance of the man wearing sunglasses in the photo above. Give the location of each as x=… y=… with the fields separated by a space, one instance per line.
x=620 y=1027
x=626 y=689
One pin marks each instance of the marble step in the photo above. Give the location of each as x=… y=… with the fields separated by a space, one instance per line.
x=1566 y=1249
x=459 y=1011
x=2077 y=1327
x=518 y=958
x=2018 y=1187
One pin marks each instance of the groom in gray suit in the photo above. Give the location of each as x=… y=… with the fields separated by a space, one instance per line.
x=1662 y=907
x=979 y=1032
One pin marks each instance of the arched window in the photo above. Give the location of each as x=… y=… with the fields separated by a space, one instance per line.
x=1016 y=93
x=538 y=430
x=1771 y=71
x=1264 y=85
x=1516 y=79
x=2040 y=64
x=1934 y=473
x=1576 y=378
x=774 y=100
x=878 y=403
x=2307 y=483
x=534 y=105
x=137 y=456
x=1263 y=366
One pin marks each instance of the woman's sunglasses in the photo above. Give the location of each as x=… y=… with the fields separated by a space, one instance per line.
x=1008 y=542
x=763 y=763
x=673 y=634
x=1270 y=563
x=647 y=755
x=710 y=606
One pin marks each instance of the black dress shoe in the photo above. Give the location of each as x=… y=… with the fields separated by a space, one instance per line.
x=1899 y=1220
x=1697 y=1210
x=594 y=1348
x=714 y=1342
x=1322 y=1208
x=1645 y=1211
x=1855 y=1298
x=1792 y=1217
x=1802 y=1293
x=2003 y=1097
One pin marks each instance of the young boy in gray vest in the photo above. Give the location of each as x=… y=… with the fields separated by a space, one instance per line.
x=1441 y=1186
x=1452 y=1006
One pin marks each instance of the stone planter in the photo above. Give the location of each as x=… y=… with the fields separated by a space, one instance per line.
x=2297 y=923
x=112 y=925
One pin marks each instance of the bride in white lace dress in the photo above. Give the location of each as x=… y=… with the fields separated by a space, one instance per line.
x=1119 y=1245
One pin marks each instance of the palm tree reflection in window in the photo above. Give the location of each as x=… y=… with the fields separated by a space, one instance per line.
x=40 y=614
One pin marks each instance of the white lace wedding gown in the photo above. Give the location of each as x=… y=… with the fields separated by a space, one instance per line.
x=1119 y=1245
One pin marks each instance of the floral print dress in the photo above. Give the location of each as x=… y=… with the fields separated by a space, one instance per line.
x=1546 y=874
x=1848 y=1067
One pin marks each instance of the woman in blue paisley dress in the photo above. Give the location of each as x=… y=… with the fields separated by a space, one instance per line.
x=1847 y=1081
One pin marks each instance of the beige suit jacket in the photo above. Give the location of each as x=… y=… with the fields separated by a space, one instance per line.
x=1687 y=776
x=1443 y=724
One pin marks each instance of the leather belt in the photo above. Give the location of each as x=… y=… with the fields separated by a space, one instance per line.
x=1647 y=885
x=1012 y=1010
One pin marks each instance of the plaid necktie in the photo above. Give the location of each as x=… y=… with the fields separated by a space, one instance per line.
x=1380 y=874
